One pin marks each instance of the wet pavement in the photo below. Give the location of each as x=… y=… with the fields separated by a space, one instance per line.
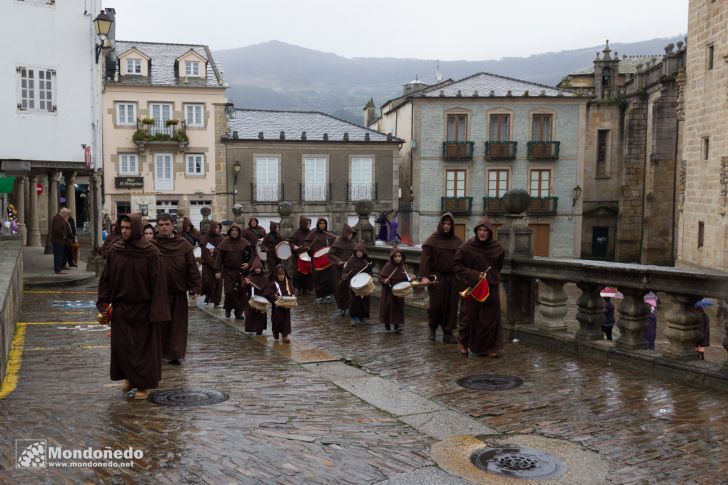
x=287 y=422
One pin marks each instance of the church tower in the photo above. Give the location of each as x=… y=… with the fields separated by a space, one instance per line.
x=606 y=74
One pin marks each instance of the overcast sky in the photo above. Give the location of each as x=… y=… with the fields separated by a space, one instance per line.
x=425 y=29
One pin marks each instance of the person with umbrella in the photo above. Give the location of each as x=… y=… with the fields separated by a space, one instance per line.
x=703 y=339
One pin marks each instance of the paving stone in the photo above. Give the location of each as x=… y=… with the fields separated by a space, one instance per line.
x=442 y=424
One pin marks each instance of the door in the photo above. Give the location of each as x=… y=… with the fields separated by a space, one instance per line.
x=460 y=231
x=163 y=171
x=362 y=187
x=600 y=242
x=196 y=211
x=161 y=112
x=541 y=234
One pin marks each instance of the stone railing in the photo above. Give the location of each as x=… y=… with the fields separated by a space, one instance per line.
x=11 y=293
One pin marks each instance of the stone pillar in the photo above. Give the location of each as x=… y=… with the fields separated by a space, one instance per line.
x=22 y=229
x=205 y=222
x=53 y=197
x=26 y=217
x=682 y=328
x=364 y=228
x=33 y=231
x=238 y=213
x=285 y=209
x=590 y=314
x=70 y=181
x=632 y=320
x=552 y=300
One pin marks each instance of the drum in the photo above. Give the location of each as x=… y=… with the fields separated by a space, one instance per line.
x=402 y=289
x=197 y=252
x=259 y=303
x=262 y=255
x=304 y=263
x=481 y=292
x=283 y=250
x=362 y=284
x=286 y=302
x=321 y=259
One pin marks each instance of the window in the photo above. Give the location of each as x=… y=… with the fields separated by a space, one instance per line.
x=499 y=127
x=125 y=113
x=36 y=89
x=266 y=179
x=497 y=183
x=602 y=140
x=163 y=178
x=194 y=115
x=706 y=147
x=540 y=181
x=123 y=207
x=710 y=56
x=192 y=68
x=161 y=112
x=128 y=164
x=168 y=206
x=701 y=234
x=541 y=127
x=455 y=183
x=314 y=179
x=133 y=66
x=456 y=128
x=362 y=187
x=195 y=164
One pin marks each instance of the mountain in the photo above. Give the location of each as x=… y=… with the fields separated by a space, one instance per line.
x=276 y=75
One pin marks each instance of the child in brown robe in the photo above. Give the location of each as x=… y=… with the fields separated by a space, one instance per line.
x=391 y=308
x=279 y=286
x=255 y=320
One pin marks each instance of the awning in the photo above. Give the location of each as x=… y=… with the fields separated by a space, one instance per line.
x=6 y=184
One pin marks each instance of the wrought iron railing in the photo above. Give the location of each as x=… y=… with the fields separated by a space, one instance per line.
x=361 y=191
x=501 y=150
x=493 y=206
x=266 y=192
x=314 y=192
x=457 y=150
x=458 y=206
x=162 y=131
x=543 y=150
x=545 y=206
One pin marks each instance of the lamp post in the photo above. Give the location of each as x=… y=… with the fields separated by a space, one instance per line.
x=102 y=22
x=576 y=194
x=236 y=171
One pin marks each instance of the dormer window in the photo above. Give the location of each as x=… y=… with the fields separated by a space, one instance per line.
x=192 y=68
x=133 y=66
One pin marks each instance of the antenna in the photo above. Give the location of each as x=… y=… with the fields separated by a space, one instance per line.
x=438 y=74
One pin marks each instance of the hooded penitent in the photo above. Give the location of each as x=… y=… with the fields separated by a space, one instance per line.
x=391 y=308
x=111 y=238
x=189 y=232
x=253 y=233
x=438 y=251
x=212 y=287
x=343 y=247
x=319 y=238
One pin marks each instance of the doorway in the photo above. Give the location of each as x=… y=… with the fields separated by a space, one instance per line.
x=600 y=242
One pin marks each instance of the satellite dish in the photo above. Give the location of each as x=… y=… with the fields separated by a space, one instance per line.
x=438 y=74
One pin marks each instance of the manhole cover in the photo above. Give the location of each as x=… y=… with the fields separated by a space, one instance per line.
x=188 y=397
x=518 y=462
x=489 y=382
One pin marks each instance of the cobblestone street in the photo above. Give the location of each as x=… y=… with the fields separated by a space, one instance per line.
x=284 y=423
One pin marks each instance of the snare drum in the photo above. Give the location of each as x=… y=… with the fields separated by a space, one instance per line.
x=286 y=302
x=259 y=303
x=262 y=255
x=362 y=284
x=197 y=252
x=321 y=259
x=304 y=263
x=283 y=250
x=402 y=289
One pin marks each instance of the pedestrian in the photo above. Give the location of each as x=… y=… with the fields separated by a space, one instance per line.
x=234 y=255
x=324 y=274
x=134 y=284
x=651 y=330
x=270 y=241
x=477 y=264
x=393 y=228
x=391 y=307
x=254 y=233
x=71 y=242
x=107 y=223
x=60 y=232
x=703 y=339
x=278 y=287
x=358 y=263
x=438 y=253
x=113 y=237
x=149 y=232
x=383 y=222
x=211 y=286
x=301 y=268
x=608 y=324
x=183 y=277
x=256 y=321
x=189 y=232
x=341 y=251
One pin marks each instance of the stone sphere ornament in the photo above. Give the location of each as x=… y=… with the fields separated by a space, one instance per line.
x=285 y=209
x=516 y=201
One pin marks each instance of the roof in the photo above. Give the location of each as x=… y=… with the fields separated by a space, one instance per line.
x=163 y=57
x=249 y=122
x=627 y=64
x=483 y=83
x=403 y=99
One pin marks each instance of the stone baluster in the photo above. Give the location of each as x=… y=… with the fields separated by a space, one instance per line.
x=590 y=314
x=632 y=320
x=682 y=328
x=205 y=222
x=552 y=300
x=33 y=231
x=364 y=229
x=285 y=209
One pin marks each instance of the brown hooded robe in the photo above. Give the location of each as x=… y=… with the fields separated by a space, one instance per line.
x=480 y=329
x=211 y=286
x=111 y=239
x=297 y=240
x=391 y=308
x=358 y=305
x=190 y=233
x=438 y=253
x=134 y=283
x=280 y=317
x=340 y=253
x=182 y=276
x=254 y=234
x=256 y=321
x=270 y=241
x=231 y=253
x=325 y=280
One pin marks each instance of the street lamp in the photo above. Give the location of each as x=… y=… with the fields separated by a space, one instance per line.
x=102 y=22
x=576 y=194
x=236 y=171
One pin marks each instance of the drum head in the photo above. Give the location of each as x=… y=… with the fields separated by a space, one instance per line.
x=304 y=257
x=361 y=280
x=260 y=299
x=262 y=255
x=283 y=250
x=322 y=252
x=401 y=286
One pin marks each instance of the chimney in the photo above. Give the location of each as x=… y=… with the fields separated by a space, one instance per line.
x=369 y=112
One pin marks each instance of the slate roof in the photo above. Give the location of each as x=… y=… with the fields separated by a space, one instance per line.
x=484 y=83
x=249 y=122
x=163 y=72
x=627 y=64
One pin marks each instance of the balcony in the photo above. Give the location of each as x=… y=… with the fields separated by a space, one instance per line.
x=543 y=150
x=172 y=132
x=266 y=193
x=493 y=206
x=500 y=150
x=457 y=150
x=543 y=206
x=458 y=206
x=356 y=192
x=314 y=192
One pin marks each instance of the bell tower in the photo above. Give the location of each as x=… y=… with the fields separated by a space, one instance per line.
x=606 y=74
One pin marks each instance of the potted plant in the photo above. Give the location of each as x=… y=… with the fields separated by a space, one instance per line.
x=172 y=122
x=147 y=121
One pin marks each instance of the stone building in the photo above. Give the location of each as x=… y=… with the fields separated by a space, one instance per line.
x=468 y=141
x=703 y=202
x=320 y=164
x=633 y=130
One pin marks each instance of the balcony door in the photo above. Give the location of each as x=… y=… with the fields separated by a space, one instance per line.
x=314 y=179
x=455 y=183
x=161 y=112
x=457 y=128
x=540 y=183
x=163 y=175
x=266 y=179
x=499 y=125
x=362 y=186
x=541 y=127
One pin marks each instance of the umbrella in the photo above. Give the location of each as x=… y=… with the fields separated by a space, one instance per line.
x=704 y=303
x=651 y=299
x=610 y=292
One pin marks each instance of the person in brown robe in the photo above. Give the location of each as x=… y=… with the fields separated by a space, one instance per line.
x=112 y=238
x=480 y=330
x=189 y=232
x=211 y=286
x=280 y=285
x=438 y=253
x=134 y=283
x=324 y=280
x=301 y=280
x=253 y=233
x=149 y=232
x=270 y=241
x=60 y=232
x=234 y=255
x=358 y=263
x=341 y=251
x=255 y=284
x=391 y=308
x=182 y=276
